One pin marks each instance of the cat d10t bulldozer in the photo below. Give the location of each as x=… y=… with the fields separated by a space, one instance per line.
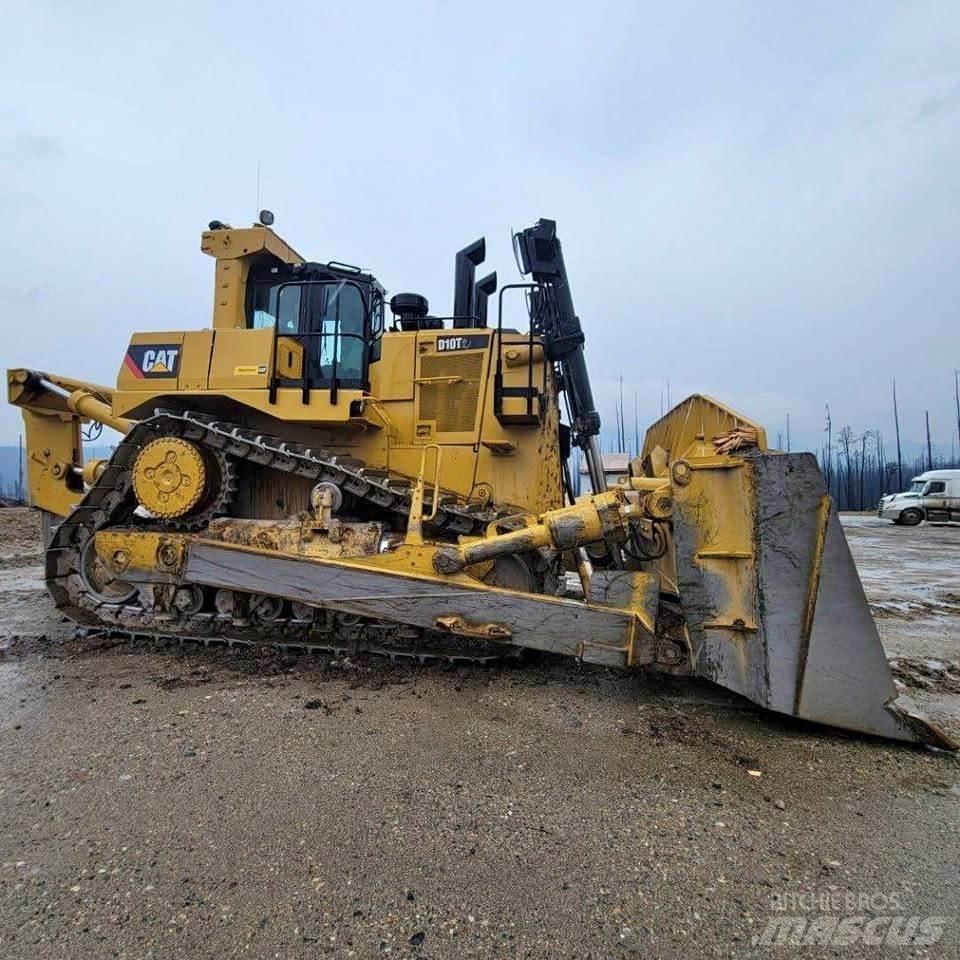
x=307 y=473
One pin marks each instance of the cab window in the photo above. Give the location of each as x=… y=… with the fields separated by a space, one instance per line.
x=328 y=317
x=276 y=304
x=334 y=315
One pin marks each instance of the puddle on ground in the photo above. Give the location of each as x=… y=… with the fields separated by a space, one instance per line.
x=21 y=578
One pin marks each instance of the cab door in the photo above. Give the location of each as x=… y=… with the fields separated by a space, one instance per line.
x=953 y=499
x=935 y=501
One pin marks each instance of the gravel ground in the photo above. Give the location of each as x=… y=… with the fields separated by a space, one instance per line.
x=217 y=805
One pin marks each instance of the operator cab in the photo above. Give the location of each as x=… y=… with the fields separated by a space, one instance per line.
x=333 y=310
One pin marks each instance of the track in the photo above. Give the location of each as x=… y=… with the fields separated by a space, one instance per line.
x=111 y=502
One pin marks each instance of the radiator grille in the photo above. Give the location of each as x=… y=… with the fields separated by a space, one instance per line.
x=452 y=405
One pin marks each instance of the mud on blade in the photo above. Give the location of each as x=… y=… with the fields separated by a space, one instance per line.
x=774 y=606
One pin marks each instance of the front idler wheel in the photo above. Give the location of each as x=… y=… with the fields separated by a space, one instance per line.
x=98 y=579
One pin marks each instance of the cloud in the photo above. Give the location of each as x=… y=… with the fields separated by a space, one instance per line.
x=939 y=104
x=40 y=146
x=755 y=204
x=26 y=296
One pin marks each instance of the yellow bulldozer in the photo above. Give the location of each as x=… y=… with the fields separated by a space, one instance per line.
x=308 y=473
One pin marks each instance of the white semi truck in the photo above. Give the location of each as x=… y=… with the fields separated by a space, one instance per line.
x=933 y=496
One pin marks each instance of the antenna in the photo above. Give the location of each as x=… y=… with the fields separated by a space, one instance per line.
x=258 y=186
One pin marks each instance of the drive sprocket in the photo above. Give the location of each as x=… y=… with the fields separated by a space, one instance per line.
x=222 y=493
x=170 y=477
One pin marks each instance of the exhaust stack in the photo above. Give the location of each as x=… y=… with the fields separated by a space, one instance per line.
x=465 y=269
x=483 y=290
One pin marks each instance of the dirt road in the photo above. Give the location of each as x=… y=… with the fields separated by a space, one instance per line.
x=207 y=805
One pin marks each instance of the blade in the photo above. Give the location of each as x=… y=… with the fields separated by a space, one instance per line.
x=774 y=605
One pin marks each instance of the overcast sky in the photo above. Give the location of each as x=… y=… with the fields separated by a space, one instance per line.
x=758 y=201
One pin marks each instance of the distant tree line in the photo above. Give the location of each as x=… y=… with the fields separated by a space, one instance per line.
x=11 y=492
x=858 y=467
x=12 y=488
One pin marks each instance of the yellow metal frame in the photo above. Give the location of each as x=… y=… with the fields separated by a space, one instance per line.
x=698 y=419
x=54 y=410
x=414 y=535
